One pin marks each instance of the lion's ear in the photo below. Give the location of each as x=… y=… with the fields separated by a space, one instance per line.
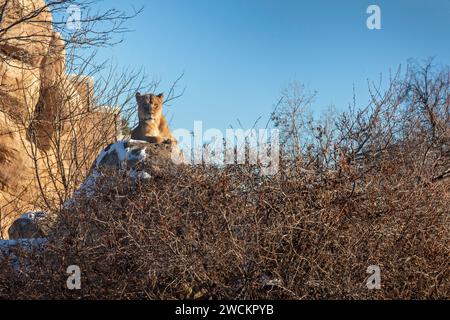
x=138 y=95
x=160 y=96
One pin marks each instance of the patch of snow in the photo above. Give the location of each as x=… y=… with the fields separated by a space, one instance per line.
x=89 y=184
x=88 y=188
x=124 y=154
x=6 y=245
x=137 y=141
x=137 y=156
x=33 y=215
x=100 y=158
x=121 y=151
x=141 y=175
x=7 y=250
x=118 y=147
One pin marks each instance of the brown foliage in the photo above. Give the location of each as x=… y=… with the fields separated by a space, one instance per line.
x=363 y=192
x=204 y=232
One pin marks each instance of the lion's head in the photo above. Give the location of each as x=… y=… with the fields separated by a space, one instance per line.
x=149 y=106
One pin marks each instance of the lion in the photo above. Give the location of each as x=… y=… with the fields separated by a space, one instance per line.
x=152 y=126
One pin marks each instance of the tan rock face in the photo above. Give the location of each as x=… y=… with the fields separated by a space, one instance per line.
x=85 y=88
x=28 y=42
x=19 y=88
x=12 y=155
x=58 y=105
x=32 y=59
x=23 y=48
x=54 y=63
x=16 y=172
x=49 y=135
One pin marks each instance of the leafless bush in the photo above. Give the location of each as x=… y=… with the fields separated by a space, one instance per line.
x=365 y=194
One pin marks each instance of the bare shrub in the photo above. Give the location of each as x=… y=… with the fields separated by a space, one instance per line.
x=366 y=197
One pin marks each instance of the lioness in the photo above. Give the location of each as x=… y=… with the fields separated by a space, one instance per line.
x=152 y=126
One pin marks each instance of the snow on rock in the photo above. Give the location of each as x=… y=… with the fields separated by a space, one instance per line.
x=122 y=154
x=6 y=246
x=27 y=226
x=33 y=215
x=141 y=175
x=8 y=250
x=88 y=186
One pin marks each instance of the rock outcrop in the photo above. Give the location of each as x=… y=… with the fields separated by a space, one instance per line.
x=23 y=47
x=29 y=41
x=38 y=102
x=132 y=154
x=139 y=159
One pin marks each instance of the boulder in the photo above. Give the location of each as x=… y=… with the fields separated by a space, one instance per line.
x=137 y=155
x=28 y=226
x=139 y=159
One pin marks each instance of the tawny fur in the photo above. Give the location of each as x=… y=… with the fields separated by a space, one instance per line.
x=152 y=126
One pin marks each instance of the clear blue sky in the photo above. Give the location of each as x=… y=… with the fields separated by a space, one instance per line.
x=237 y=55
